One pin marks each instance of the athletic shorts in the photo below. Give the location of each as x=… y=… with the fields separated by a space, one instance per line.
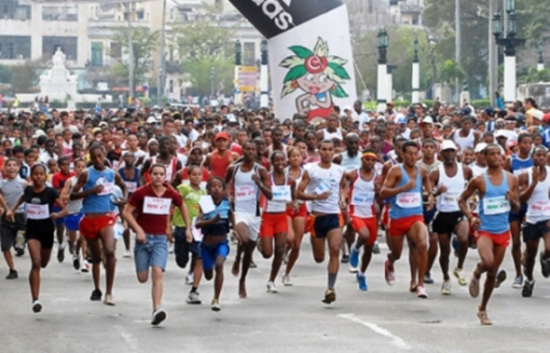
x=251 y=221
x=370 y=223
x=90 y=227
x=8 y=230
x=401 y=226
x=302 y=211
x=182 y=248
x=72 y=220
x=58 y=221
x=386 y=215
x=273 y=223
x=45 y=238
x=502 y=239
x=211 y=252
x=154 y=252
x=429 y=215
x=320 y=226
x=445 y=222
x=518 y=216
x=533 y=232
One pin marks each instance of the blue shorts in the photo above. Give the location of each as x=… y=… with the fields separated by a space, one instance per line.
x=58 y=221
x=429 y=215
x=182 y=248
x=212 y=251
x=154 y=252
x=320 y=226
x=518 y=216
x=72 y=220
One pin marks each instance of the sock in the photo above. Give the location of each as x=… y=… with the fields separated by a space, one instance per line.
x=193 y=289
x=332 y=280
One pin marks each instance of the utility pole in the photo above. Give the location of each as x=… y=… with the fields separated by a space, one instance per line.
x=493 y=56
x=458 y=42
x=162 y=64
x=130 y=51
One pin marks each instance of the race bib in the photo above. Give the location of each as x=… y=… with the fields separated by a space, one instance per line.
x=363 y=198
x=245 y=193
x=108 y=188
x=409 y=200
x=37 y=211
x=495 y=205
x=281 y=193
x=450 y=197
x=324 y=186
x=540 y=207
x=131 y=186
x=156 y=205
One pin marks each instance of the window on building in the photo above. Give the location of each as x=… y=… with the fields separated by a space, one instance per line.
x=249 y=54
x=116 y=50
x=68 y=45
x=97 y=54
x=140 y=15
x=171 y=86
x=66 y=12
x=15 y=47
x=394 y=2
x=12 y=10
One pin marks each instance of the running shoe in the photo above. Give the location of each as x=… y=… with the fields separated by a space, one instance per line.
x=421 y=292
x=126 y=254
x=76 y=262
x=96 y=295
x=428 y=278
x=330 y=296
x=194 y=298
x=189 y=279
x=376 y=248
x=354 y=257
x=286 y=281
x=345 y=259
x=461 y=276
x=12 y=274
x=483 y=318
x=159 y=316
x=518 y=282
x=501 y=277
x=109 y=300
x=216 y=305
x=446 y=288
x=86 y=267
x=61 y=252
x=390 y=275
x=473 y=288
x=271 y=288
x=528 y=289
x=544 y=265
x=36 y=306
x=362 y=282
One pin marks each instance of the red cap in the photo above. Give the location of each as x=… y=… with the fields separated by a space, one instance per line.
x=221 y=135
x=546 y=118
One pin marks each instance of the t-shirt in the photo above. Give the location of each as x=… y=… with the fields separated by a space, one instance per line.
x=59 y=179
x=152 y=210
x=191 y=198
x=39 y=207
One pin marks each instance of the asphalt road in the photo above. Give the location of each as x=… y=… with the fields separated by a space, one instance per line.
x=384 y=319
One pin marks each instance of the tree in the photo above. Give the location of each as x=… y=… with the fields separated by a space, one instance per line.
x=451 y=70
x=534 y=76
x=5 y=74
x=24 y=77
x=145 y=42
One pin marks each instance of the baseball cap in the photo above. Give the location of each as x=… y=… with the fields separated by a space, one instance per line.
x=151 y=120
x=546 y=118
x=221 y=135
x=38 y=133
x=490 y=111
x=538 y=115
x=480 y=147
x=500 y=133
x=448 y=145
x=427 y=120
x=401 y=119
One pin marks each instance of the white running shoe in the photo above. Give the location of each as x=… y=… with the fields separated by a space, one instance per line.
x=271 y=288
x=287 y=281
x=85 y=267
x=189 y=279
x=36 y=306
x=446 y=288
x=126 y=254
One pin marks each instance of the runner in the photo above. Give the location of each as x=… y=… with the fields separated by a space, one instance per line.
x=39 y=201
x=152 y=204
x=218 y=161
x=325 y=185
x=130 y=175
x=249 y=181
x=171 y=163
x=497 y=190
x=196 y=157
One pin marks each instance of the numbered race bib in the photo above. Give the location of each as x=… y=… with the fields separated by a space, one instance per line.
x=156 y=205
x=324 y=186
x=108 y=188
x=450 y=197
x=409 y=200
x=131 y=186
x=363 y=198
x=541 y=207
x=281 y=193
x=495 y=205
x=245 y=193
x=37 y=211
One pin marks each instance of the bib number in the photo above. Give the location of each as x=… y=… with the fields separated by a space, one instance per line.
x=37 y=211
x=540 y=207
x=156 y=205
x=131 y=186
x=363 y=199
x=108 y=189
x=281 y=193
x=409 y=200
x=495 y=205
x=245 y=193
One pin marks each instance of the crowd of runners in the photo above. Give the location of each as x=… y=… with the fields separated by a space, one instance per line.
x=447 y=179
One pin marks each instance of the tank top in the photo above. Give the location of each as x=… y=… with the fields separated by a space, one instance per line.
x=448 y=201
x=349 y=163
x=219 y=165
x=519 y=166
x=322 y=180
x=297 y=180
x=408 y=203
x=493 y=207
x=362 y=196
x=99 y=203
x=131 y=184
x=464 y=142
x=281 y=196
x=222 y=226
x=171 y=169
x=538 y=206
x=246 y=192
x=331 y=135
x=73 y=206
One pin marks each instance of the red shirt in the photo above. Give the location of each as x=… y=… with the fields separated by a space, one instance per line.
x=59 y=179
x=219 y=164
x=235 y=147
x=152 y=210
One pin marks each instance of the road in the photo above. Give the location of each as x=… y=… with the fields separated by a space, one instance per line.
x=384 y=319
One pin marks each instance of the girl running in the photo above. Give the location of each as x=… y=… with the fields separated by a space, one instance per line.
x=130 y=175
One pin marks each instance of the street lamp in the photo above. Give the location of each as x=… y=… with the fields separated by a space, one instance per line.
x=415 y=74
x=512 y=25
x=264 y=80
x=382 y=42
x=510 y=5
x=497 y=25
x=540 y=63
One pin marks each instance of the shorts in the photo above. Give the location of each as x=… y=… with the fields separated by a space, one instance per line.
x=445 y=222
x=502 y=239
x=72 y=220
x=302 y=211
x=58 y=221
x=401 y=226
x=533 y=232
x=90 y=227
x=182 y=248
x=154 y=252
x=8 y=230
x=370 y=223
x=320 y=226
x=251 y=221
x=386 y=215
x=429 y=215
x=518 y=216
x=45 y=238
x=211 y=252
x=273 y=223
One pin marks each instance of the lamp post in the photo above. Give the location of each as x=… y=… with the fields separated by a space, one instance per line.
x=540 y=63
x=389 y=81
x=381 y=86
x=507 y=39
x=238 y=62
x=212 y=86
x=415 y=74
x=264 y=80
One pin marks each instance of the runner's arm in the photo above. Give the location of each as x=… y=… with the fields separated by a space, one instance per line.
x=65 y=196
x=302 y=188
x=17 y=204
x=471 y=188
x=145 y=167
x=129 y=217
x=513 y=193
x=389 y=189
x=343 y=191
x=77 y=194
x=63 y=212
x=523 y=182
x=120 y=183
x=201 y=222
x=264 y=182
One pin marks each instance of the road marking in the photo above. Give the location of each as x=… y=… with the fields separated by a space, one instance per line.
x=396 y=340
x=129 y=338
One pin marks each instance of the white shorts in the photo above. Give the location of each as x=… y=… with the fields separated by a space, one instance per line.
x=253 y=222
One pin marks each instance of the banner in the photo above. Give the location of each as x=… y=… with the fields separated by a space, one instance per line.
x=310 y=56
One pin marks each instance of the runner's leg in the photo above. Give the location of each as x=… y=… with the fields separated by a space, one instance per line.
x=280 y=241
x=107 y=235
x=298 y=225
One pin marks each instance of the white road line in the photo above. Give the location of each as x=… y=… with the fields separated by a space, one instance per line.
x=128 y=338
x=397 y=341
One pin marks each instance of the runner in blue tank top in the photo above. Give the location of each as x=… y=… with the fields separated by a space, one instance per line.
x=498 y=192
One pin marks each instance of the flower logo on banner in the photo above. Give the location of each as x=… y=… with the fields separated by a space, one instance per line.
x=318 y=75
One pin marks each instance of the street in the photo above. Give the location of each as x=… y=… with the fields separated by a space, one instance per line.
x=384 y=319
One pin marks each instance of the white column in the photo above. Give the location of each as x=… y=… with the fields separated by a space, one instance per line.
x=237 y=98
x=381 y=87
x=509 y=79
x=264 y=89
x=389 y=95
x=415 y=83
x=540 y=66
